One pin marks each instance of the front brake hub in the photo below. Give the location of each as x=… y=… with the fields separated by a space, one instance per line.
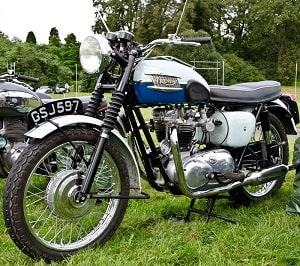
x=61 y=195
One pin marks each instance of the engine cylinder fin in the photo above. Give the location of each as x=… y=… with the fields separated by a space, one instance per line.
x=185 y=135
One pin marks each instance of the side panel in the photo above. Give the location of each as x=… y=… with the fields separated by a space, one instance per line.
x=46 y=128
x=235 y=130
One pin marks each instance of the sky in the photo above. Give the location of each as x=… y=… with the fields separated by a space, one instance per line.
x=18 y=17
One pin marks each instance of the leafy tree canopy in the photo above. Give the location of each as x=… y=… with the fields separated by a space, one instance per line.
x=249 y=35
x=31 y=38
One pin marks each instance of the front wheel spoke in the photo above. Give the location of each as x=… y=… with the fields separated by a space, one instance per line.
x=59 y=235
x=44 y=221
x=83 y=231
x=69 y=232
x=35 y=195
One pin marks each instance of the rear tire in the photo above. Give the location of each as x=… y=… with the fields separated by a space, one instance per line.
x=40 y=212
x=244 y=195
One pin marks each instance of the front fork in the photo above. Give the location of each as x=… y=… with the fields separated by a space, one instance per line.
x=109 y=123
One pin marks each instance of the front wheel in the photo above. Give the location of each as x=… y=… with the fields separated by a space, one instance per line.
x=40 y=210
x=278 y=153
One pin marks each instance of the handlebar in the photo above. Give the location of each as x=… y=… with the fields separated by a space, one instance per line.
x=10 y=76
x=173 y=39
x=201 y=40
x=27 y=78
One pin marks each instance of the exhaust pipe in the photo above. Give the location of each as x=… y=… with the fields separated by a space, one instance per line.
x=254 y=179
x=266 y=175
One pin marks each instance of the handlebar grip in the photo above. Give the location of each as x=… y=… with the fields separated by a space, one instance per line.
x=28 y=78
x=202 y=40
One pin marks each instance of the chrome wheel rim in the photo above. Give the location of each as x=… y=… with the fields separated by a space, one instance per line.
x=50 y=211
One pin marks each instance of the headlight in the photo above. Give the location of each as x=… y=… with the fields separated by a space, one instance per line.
x=94 y=53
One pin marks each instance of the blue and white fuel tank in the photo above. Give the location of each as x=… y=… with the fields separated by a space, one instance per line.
x=167 y=80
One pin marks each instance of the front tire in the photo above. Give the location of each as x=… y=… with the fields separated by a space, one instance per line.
x=40 y=211
x=280 y=154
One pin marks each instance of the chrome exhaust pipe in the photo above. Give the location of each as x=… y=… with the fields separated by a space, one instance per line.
x=254 y=179
x=266 y=175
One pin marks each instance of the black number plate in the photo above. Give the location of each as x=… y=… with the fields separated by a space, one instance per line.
x=52 y=109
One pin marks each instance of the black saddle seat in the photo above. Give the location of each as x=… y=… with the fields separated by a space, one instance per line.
x=249 y=92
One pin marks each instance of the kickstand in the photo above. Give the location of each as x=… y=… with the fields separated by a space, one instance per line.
x=208 y=212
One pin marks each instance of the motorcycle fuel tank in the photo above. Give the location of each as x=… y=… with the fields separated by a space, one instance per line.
x=16 y=100
x=160 y=81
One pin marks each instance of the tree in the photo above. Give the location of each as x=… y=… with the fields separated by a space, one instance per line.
x=5 y=46
x=70 y=53
x=265 y=33
x=54 y=39
x=208 y=16
x=238 y=70
x=235 y=23
x=158 y=19
x=31 y=38
x=273 y=37
x=148 y=19
x=120 y=15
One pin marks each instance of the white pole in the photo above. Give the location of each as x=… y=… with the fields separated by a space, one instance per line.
x=296 y=80
x=76 y=87
x=217 y=72
x=223 y=74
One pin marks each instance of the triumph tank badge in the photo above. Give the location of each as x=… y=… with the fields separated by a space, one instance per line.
x=165 y=83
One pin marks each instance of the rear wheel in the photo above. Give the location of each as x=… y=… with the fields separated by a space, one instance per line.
x=278 y=153
x=40 y=210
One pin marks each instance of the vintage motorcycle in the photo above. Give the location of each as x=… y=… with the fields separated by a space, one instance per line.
x=70 y=187
x=17 y=99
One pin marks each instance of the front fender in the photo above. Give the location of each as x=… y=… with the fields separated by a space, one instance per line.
x=46 y=128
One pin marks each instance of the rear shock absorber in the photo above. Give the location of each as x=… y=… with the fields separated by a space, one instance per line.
x=265 y=124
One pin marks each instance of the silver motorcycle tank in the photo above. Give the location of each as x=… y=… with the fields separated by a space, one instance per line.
x=16 y=100
x=166 y=80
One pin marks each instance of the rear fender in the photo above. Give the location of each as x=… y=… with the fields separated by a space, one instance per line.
x=280 y=110
x=46 y=128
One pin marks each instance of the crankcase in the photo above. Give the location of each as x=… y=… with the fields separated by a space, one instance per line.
x=201 y=168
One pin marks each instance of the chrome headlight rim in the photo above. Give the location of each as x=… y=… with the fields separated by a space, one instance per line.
x=94 y=53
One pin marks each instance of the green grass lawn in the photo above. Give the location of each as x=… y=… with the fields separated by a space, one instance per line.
x=152 y=234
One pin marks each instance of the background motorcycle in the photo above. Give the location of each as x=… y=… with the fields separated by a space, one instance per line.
x=17 y=99
x=70 y=187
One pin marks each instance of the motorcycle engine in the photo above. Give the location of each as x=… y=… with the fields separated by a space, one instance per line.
x=203 y=169
x=12 y=131
x=183 y=118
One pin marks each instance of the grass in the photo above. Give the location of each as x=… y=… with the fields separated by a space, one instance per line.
x=152 y=234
